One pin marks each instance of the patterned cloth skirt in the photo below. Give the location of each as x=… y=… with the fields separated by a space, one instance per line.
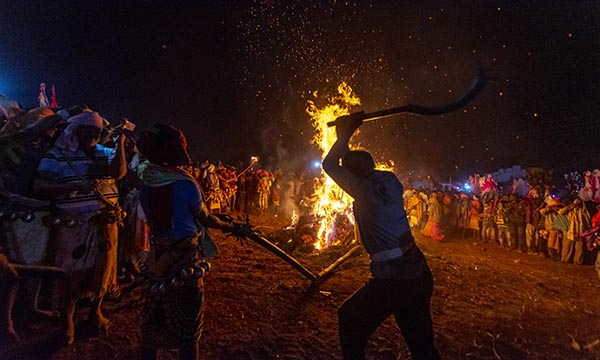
x=86 y=248
x=173 y=294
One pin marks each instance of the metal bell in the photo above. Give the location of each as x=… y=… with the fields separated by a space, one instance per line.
x=154 y=289
x=205 y=265
x=28 y=217
x=71 y=223
x=184 y=274
x=200 y=272
x=163 y=288
x=176 y=283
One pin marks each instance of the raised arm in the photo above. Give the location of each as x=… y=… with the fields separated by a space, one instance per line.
x=118 y=166
x=345 y=126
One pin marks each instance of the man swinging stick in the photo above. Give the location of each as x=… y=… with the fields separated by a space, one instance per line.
x=401 y=283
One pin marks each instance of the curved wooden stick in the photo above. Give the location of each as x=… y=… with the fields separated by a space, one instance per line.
x=476 y=86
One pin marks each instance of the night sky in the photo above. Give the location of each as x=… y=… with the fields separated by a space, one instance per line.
x=237 y=76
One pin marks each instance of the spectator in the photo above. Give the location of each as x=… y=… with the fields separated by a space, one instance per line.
x=579 y=220
x=78 y=175
x=501 y=218
x=549 y=213
x=434 y=212
x=474 y=218
x=516 y=223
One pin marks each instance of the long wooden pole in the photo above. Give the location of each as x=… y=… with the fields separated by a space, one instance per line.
x=328 y=270
x=38 y=271
x=283 y=255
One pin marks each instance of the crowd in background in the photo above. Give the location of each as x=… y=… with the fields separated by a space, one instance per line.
x=559 y=222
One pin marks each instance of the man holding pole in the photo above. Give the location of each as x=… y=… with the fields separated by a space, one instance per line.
x=401 y=283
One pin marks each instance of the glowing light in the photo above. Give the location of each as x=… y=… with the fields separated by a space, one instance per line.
x=295 y=219
x=332 y=205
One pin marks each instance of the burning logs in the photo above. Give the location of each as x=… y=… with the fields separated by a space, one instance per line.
x=246 y=231
x=296 y=265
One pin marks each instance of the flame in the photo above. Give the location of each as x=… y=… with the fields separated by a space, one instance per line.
x=333 y=205
x=385 y=166
x=295 y=219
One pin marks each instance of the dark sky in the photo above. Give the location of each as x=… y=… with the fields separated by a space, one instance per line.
x=236 y=76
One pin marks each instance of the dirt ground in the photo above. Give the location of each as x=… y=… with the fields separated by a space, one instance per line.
x=488 y=303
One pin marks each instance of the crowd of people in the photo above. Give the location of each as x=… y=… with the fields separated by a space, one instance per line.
x=78 y=213
x=558 y=223
x=252 y=188
x=74 y=195
x=79 y=199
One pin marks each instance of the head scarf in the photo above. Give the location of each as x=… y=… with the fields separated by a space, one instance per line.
x=164 y=145
x=68 y=139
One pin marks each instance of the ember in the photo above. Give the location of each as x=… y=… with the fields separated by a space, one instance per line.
x=303 y=235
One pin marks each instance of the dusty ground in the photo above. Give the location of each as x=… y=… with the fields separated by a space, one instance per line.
x=488 y=303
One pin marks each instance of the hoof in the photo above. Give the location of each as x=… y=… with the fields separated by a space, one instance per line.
x=99 y=324
x=70 y=339
x=70 y=332
x=70 y=336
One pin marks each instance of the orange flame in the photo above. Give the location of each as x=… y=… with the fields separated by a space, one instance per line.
x=332 y=202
